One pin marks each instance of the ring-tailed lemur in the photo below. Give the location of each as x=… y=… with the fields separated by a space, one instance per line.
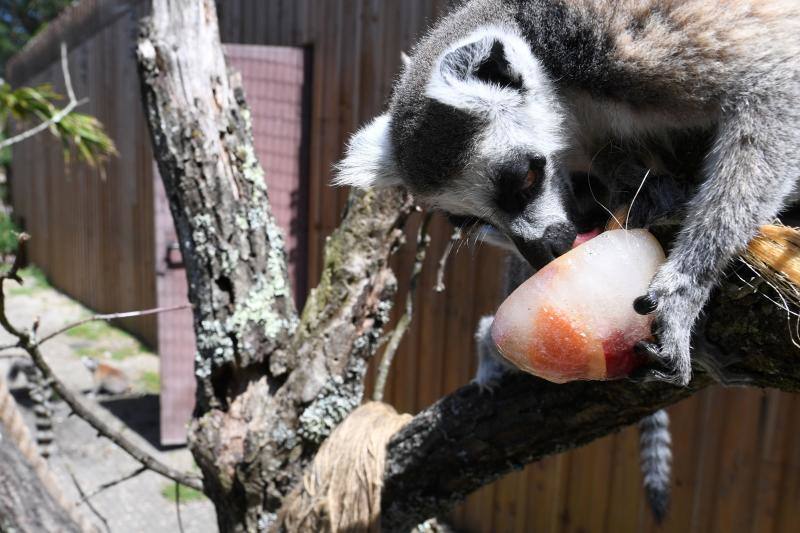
x=503 y=99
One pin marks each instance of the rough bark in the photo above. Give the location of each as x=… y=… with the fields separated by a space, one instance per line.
x=271 y=385
x=232 y=248
x=26 y=506
x=469 y=439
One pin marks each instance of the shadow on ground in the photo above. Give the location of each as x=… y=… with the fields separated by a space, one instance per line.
x=140 y=414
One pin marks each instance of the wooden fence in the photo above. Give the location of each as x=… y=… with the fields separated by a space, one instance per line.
x=737 y=452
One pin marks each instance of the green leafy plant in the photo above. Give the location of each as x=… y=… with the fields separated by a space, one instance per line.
x=82 y=132
x=8 y=234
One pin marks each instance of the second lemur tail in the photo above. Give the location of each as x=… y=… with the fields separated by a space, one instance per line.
x=655 y=451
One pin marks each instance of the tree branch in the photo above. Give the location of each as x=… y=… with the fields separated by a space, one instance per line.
x=423 y=240
x=469 y=439
x=85 y=498
x=27 y=341
x=105 y=317
x=440 y=272
x=58 y=116
x=232 y=247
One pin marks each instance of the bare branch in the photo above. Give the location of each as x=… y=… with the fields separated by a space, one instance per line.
x=106 y=317
x=65 y=73
x=423 y=240
x=105 y=486
x=58 y=117
x=88 y=414
x=113 y=316
x=12 y=274
x=85 y=498
x=27 y=341
x=178 y=506
x=454 y=238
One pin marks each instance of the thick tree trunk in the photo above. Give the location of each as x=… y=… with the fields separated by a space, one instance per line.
x=271 y=386
x=26 y=505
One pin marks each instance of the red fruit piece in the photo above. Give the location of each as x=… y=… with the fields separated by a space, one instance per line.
x=620 y=357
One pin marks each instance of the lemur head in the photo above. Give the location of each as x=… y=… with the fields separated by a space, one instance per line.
x=475 y=131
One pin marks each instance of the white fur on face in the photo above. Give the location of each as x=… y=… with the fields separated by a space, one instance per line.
x=530 y=118
x=529 y=121
x=368 y=161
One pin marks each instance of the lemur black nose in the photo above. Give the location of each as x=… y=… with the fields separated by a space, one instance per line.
x=560 y=237
x=556 y=240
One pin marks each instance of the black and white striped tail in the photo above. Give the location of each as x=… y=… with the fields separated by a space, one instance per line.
x=655 y=451
x=41 y=396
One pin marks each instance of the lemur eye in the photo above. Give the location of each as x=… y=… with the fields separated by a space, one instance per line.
x=534 y=176
x=518 y=182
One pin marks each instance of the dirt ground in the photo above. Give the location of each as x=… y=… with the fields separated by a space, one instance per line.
x=147 y=501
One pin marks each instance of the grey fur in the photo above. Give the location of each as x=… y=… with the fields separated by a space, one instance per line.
x=655 y=452
x=607 y=86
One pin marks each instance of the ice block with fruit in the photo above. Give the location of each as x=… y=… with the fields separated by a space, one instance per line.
x=574 y=319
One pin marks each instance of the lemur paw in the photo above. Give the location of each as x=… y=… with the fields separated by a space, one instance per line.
x=676 y=302
x=490 y=372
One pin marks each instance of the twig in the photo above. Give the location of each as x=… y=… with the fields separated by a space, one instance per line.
x=423 y=239
x=27 y=341
x=114 y=316
x=178 y=506
x=107 y=485
x=454 y=238
x=11 y=355
x=91 y=507
x=12 y=274
x=58 y=117
x=107 y=317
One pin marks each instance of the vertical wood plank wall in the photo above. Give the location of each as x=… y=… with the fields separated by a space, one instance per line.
x=92 y=236
x=737 y=452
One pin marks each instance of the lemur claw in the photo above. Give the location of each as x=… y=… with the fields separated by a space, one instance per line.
x=653 y=369
x=668 y=351
x=644 y=305
x=486 y=387
x=649 y=351
x=646 y=374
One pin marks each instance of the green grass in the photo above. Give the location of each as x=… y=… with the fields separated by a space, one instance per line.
x=8 y=234
x=103 y=350
x=187 y=494
x=150 y=382
x=91 y=331
x=104 y=341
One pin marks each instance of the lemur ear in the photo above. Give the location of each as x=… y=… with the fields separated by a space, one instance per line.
x=483 y=60
x=484 y=69
x=368 y=161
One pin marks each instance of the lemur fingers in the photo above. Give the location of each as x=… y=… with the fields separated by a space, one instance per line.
x=676 y=302
x=491 y=365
